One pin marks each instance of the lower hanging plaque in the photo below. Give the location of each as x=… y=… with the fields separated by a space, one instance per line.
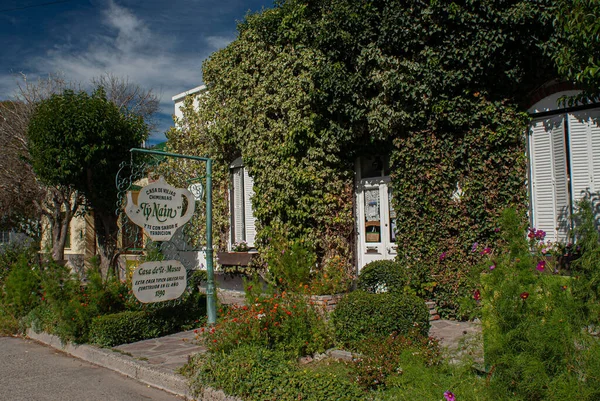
x=159 y=281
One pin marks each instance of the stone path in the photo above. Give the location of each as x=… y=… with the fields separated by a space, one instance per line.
x=167 y=353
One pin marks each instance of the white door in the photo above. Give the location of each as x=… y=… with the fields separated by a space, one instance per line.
x=376 y=218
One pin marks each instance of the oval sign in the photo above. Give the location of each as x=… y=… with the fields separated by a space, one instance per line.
x=159 y=281
x=160 y=209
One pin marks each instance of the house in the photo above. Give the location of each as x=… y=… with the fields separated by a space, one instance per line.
x=563 y=146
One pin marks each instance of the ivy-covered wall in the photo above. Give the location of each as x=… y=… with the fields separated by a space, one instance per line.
x=307 y=88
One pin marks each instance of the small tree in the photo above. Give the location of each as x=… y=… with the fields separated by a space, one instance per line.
x=79 y=140
x=23 y=197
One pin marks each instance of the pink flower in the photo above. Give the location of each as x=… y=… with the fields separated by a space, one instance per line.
x=492 y=267
x=486 y=251
x=541 y=265
x=449 y=396
x=443 y=256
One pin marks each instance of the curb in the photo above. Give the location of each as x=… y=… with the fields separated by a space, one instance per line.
x=124 y=364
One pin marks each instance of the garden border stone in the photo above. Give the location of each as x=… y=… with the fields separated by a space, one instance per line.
x=130 y=367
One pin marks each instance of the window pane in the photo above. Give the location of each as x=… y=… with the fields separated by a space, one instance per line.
x=372 y=216
x=371 y=167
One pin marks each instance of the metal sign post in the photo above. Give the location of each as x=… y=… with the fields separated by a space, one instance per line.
x=211 y=304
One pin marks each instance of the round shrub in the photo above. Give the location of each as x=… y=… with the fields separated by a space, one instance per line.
x=361 y=315
x=382 y=276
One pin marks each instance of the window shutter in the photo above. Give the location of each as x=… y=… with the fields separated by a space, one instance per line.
x=584 y=134
x=550 y=203
x=238 y=206
x=248 y=213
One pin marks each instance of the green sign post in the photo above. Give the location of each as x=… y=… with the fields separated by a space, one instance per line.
x=211 y=304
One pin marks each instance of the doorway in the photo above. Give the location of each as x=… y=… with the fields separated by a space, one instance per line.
x=376 y=217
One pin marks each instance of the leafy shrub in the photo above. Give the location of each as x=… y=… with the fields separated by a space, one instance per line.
x=131 y=326
x=290 y=263
x=13 y=253
x=361 y=315
x=21 y=288
x=382 y=276
x=286 y=322
x=122 y=328
x=257 y=373
x=535 y=324
x=332 y=278
x=381 y=360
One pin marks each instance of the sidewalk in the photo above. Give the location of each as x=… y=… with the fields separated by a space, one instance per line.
x=156 y=361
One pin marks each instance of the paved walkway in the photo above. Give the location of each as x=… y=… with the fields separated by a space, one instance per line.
x=157 y=361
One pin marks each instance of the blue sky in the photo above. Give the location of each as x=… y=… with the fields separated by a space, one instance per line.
x=158 y=44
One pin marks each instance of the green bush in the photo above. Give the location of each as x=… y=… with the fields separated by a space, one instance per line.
x=382 y=276
x=536 y=325
x=122 y=328
x=131 y=326
x=286 y=322
x=21 y=292
x=11 y=254
x=290 y=263
x=256 y=373
x=361 y=315
x=380 y=361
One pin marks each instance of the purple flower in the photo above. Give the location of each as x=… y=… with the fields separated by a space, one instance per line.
x=449 y=396
x=497 y=229
x=443 y=256
x=474 y=246
x=492 y=267
x=541 y=265
x=540 y=235
x=486 y=251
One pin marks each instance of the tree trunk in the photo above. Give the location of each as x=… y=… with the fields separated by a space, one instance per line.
x=106 y=232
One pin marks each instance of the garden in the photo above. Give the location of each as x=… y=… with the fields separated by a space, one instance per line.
x=538 y=304
x=539 y=318
x=44 y=295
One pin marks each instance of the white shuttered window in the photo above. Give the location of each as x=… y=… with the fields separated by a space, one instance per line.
x=564 y=167
x=242 y=217
x=550 y=196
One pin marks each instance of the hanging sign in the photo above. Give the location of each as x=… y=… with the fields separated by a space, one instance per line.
x=160 y=209
x=159 y=281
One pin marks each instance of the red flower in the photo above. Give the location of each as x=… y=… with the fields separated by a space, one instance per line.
x=524 y=295
x=476 y=295
x=288 y=312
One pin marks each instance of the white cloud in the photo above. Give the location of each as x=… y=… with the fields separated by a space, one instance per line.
x=218 y=42
x=128 y=47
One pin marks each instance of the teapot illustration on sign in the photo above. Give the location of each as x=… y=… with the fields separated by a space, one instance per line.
x=159 y=210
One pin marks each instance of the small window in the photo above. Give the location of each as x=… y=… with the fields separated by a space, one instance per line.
x=372 y=216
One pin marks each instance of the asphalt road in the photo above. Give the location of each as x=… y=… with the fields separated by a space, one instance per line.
x=30 y=371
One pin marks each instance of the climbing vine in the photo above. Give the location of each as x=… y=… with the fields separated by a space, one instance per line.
x=306 y=88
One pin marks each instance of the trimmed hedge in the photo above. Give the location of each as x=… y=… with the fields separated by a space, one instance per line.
x=131 y=326
x=361 y=315
x=382 y=276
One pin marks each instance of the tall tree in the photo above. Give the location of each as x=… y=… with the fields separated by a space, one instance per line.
x=23 y=197
x=79 y=140
x=577 y=48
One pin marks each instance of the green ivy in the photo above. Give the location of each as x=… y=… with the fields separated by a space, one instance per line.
x=442 y=86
